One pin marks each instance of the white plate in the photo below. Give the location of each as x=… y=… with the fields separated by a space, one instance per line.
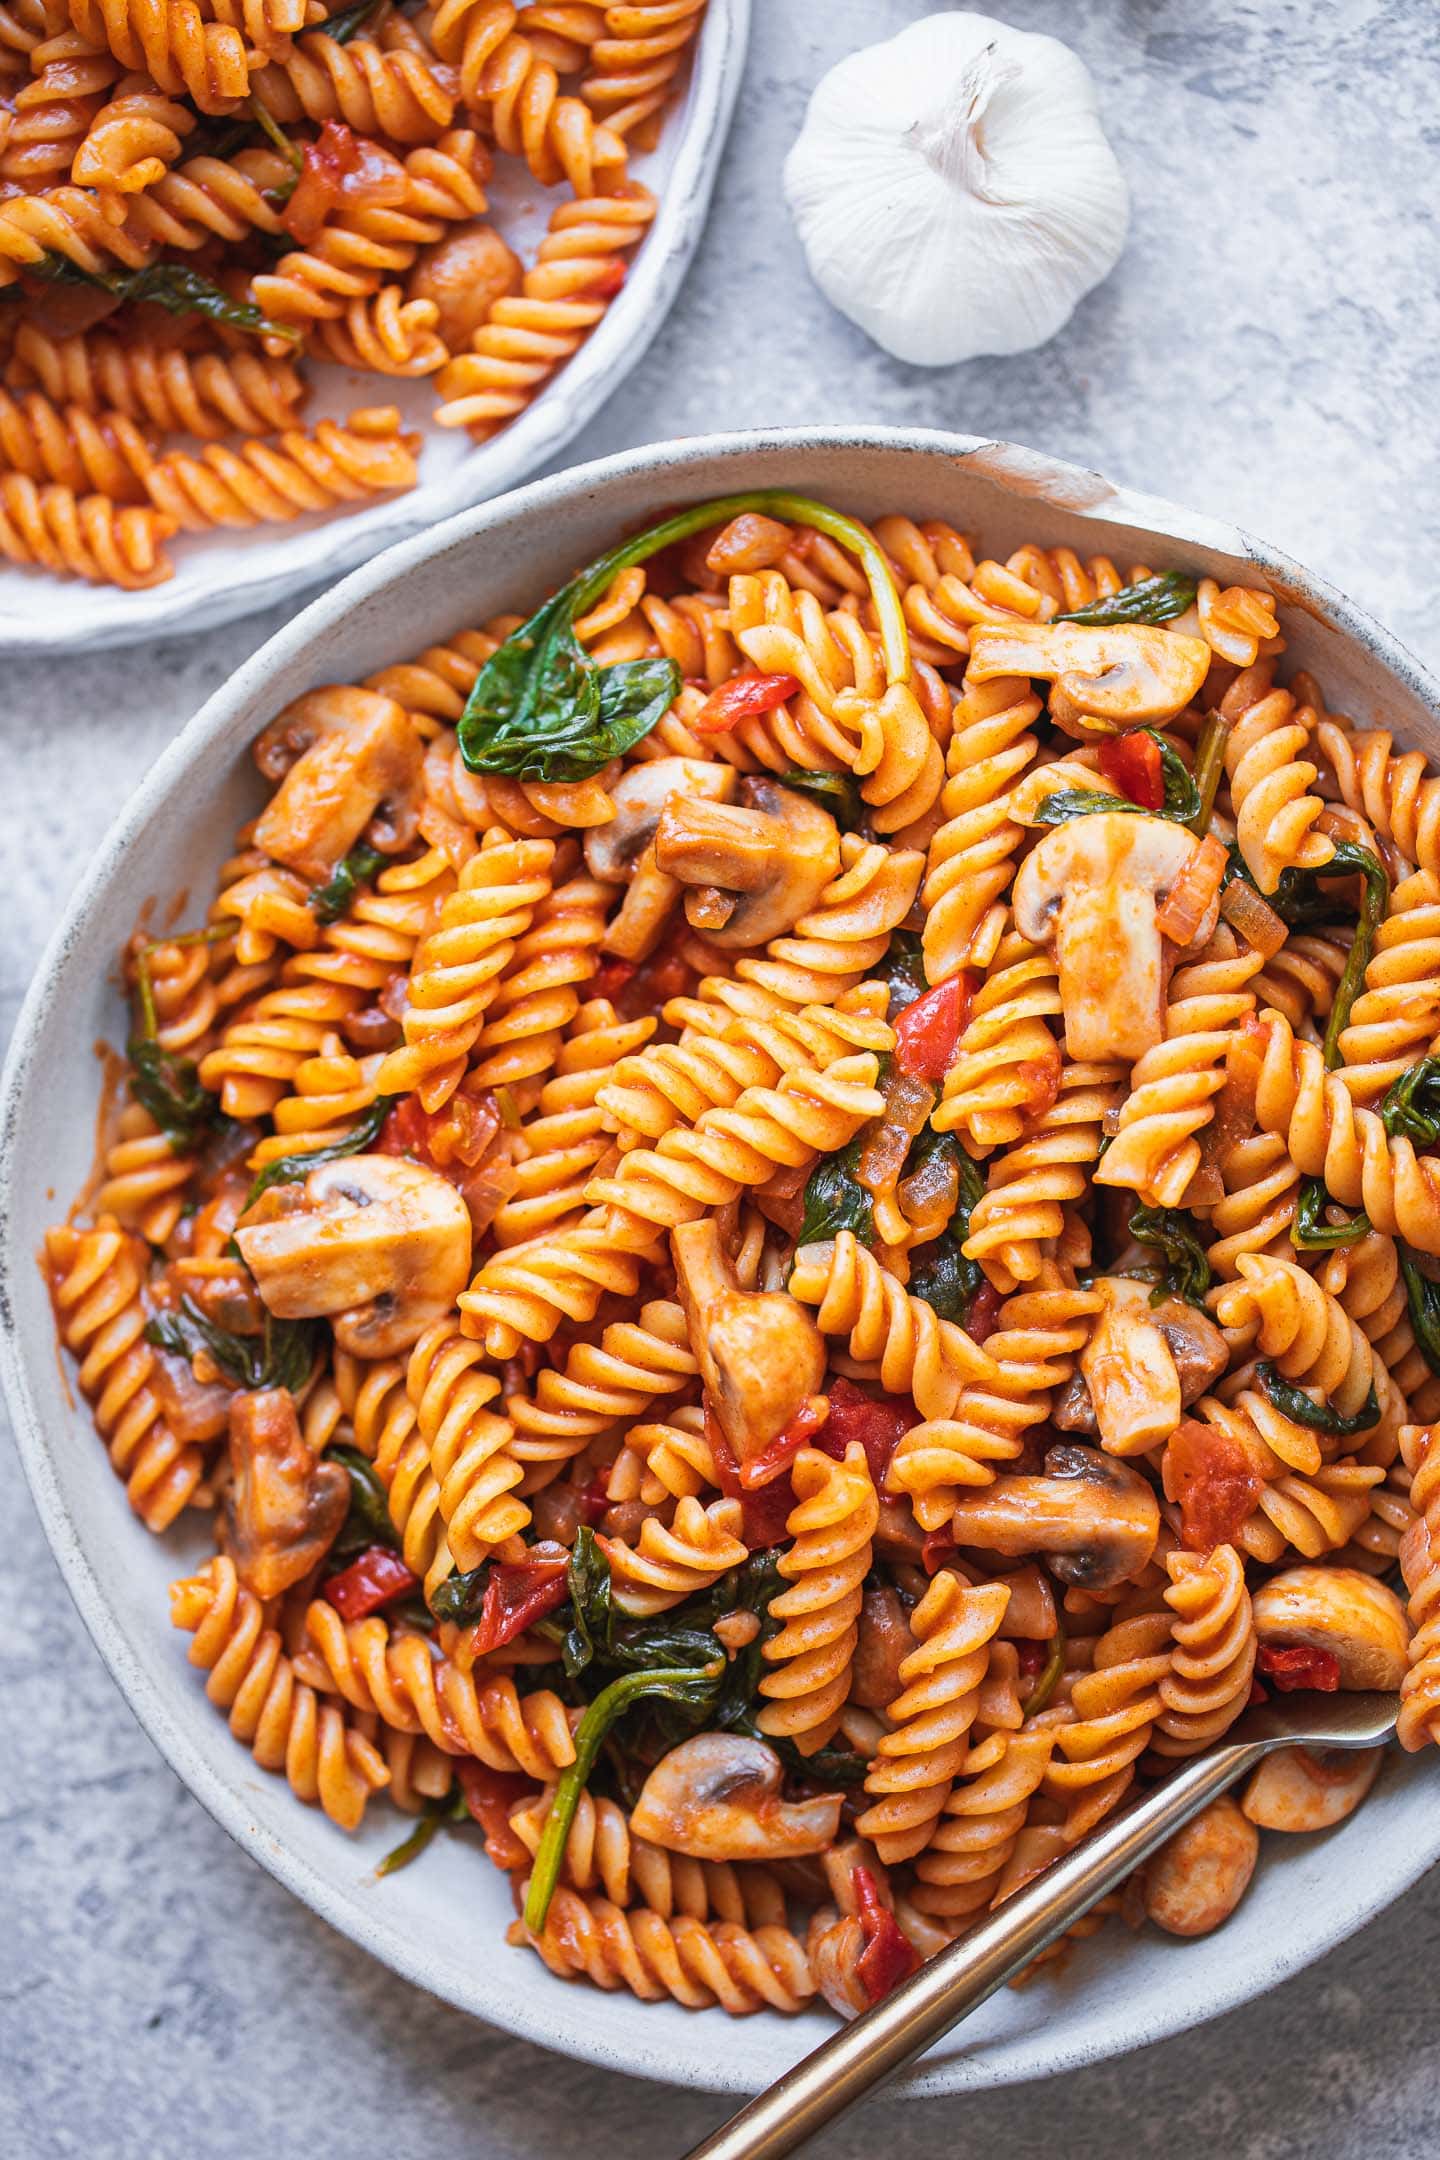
x=221 y=575
x=441 y=1922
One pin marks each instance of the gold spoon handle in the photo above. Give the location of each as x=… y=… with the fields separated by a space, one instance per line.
x=844 y=2068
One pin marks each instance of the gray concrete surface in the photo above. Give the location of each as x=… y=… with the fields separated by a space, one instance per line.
x=1266 y=348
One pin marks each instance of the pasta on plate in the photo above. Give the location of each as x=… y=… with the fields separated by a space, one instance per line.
x=195 y=199
x=788 y=1217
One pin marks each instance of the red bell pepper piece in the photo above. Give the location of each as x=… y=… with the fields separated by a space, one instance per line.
x=887 y=1956
x=1214 y=1483
x=370 y=1582
x=1132 y=764
x=878 y=1424
x=927 y=1032
x=490 y=1795
x=1302 y=1666
x=744 y=697
x=774 y=1460
x=518 y=1592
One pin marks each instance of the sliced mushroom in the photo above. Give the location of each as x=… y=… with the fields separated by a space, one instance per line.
x=882 y=1641
x=1302 y=1789
x=352 y=763
x=379 y=1245
x=283 y=1509
x=1126 y=674
x=623 y=850
x=612 y=851
x=1199 y=1876
x=717 y=1797
x=760 y=1352
x=1093 y=1518
x=1134 y=1386
x=1361 y=1621
x=1090 y=891
x=769 y=858
x=1072 y=1409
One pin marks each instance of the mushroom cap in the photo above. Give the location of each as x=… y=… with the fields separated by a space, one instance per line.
x=1300 y=1789
x=379 y=1245
x=773 y=854
x=1091 y=891
x=1199 y=1876
x=1339 y=1609
x=1115 y=1535
x=759 y=1351
x=1104 y=849
x=637 y=799
x=717 y=1797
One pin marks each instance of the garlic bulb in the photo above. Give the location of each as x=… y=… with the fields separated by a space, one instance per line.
x=954 y=190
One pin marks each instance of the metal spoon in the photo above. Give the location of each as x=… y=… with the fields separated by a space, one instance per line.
x=950 y=1985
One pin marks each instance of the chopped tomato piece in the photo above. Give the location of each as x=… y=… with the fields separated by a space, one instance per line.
x=490 y=1795
x=518 y=1592
x=370 y=1582
x=1214 y=1482
x=1257 y=1694
x=927 y=1032
x=456 y=1136
x=773 y=1461
x=887 y=1957
x=1034 y=1655
x=637 y=992
x=744 y=697
x=877 y=1423
x=1304 y=1665
x=765 y=1510
x=1132 y=764
x=340 y=166
x=984 y=1315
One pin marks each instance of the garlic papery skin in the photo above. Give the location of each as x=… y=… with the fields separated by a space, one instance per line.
x=954 y=190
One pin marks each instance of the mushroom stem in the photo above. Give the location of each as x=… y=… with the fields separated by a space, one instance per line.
x=710 y=843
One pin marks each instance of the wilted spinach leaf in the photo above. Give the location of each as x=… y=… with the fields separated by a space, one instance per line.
x=328 y=902
x=1292 y=1402
x=368 y=1520
x=1168 y=1231
x=1153 y=600
x=280 y=1356
x=838 y=792
x=903 y=970
x=1410 y=1107
x=168 y=1086
x=1310 y=1232
x=835 y=1200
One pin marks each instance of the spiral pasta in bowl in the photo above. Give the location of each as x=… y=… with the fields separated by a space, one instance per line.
x=765 y=1236
x=279 y=287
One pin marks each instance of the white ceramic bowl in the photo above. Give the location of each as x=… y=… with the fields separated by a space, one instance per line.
x=441 y=1922
x=224 y=574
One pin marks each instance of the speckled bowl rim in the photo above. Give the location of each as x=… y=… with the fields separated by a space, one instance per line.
x=1355 y=1895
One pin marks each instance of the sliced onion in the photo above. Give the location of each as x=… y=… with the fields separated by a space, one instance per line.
x=1252 y=918
x=1191 y=896
x=908 y=1103
x=928 y=1196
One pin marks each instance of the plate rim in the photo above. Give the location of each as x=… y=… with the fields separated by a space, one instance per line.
x=224 y=1795
x=105 y=618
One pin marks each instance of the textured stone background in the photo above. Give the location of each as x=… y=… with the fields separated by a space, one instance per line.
x=1265 y=349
